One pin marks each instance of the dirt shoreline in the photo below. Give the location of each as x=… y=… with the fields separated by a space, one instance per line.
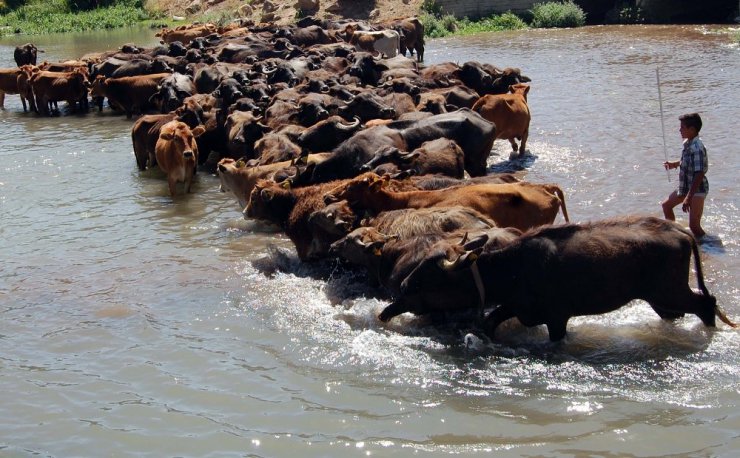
x=285 y=12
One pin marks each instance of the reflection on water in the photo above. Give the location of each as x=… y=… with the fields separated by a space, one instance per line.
x=135 y=323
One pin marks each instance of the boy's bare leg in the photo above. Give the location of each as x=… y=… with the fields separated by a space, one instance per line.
x=695 y=212
x=672 y=201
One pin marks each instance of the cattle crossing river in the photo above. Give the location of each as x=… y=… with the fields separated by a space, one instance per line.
x=134 y=325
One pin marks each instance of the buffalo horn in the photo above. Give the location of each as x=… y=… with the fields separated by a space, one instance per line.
x=350 y=126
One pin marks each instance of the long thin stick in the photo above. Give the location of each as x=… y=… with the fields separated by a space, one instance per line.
x=662 y=122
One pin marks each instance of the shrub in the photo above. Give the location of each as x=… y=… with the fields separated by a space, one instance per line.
x=557 y=14
x=495 y=23
x=51 y=16
x=437 y=27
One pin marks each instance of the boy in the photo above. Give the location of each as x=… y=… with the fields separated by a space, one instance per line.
x=692 y=182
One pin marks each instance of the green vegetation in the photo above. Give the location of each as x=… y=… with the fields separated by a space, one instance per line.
x=445 y=25
x=551 y=14
x=557 y=14
x=36 y=17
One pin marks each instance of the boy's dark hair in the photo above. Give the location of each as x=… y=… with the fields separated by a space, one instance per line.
x=691 y=120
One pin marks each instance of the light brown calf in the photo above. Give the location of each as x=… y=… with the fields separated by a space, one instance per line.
x=177 y=153
x=510 y=114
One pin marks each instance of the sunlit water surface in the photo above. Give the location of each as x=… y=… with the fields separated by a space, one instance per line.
x=134 y=324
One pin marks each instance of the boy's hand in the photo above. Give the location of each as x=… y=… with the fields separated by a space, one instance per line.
x=686 y=205
x=671 y=164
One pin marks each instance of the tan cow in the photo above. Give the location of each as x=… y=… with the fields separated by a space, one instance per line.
x=8 y=83
x=519 y=205
x=239 y=179
x=177 y=153
x=186 y=34
x=24 y=87
x=129 y=93
x=510 y=114
x=52 y=87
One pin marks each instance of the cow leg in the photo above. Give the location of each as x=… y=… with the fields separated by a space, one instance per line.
x=419 y=52
x=686 y=301
x=188 y=183
x=556 y=329
x=514 y=146
x=523 y=143
x=2 y=100
x=496 y=317
x=98 y=101
x=396 y=308
x=23 y=101
x=172 y=183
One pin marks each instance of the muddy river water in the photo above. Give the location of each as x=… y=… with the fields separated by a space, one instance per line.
x=132 y=324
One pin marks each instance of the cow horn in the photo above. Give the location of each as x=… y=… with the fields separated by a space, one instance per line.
x=408 y=157
x=269 y=71
x=464 y=259
x=351 y=126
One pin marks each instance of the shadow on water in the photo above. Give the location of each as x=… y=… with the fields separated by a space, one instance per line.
x=712 y=244
x=511 y=165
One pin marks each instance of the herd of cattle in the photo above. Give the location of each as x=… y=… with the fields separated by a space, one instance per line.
x=359 y=153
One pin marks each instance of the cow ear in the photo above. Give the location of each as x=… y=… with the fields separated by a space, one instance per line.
x=286 y=184
x=166 y=135
x=375 y=248
x=267 y=195
x=198 y=131
x=240 y=163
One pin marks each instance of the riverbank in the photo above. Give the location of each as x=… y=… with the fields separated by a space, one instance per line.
x=36 y=17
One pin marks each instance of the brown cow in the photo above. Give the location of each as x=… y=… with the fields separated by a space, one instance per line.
x=177 y=153
x=554 y=273
x=239 y=179
x=51 y=87
x=519 y=205
x=129 y=93
x=411 y=32
x=24 y=87
x=185 y=34
x=291 y=209
x=144 y=136
x=510 y=114
x=8 y=83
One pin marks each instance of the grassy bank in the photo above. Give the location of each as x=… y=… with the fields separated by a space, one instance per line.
x=545 y=15
x=38 y=17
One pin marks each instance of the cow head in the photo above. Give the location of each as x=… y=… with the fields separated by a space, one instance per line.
x=98 y=86
x=269 y=201
x=356 y=189
x=520 y=88
x=362 y=246
x=182 y=138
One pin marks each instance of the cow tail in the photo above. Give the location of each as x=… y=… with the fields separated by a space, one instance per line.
x=561 y=197
x=700 y=281
x=697 y=265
